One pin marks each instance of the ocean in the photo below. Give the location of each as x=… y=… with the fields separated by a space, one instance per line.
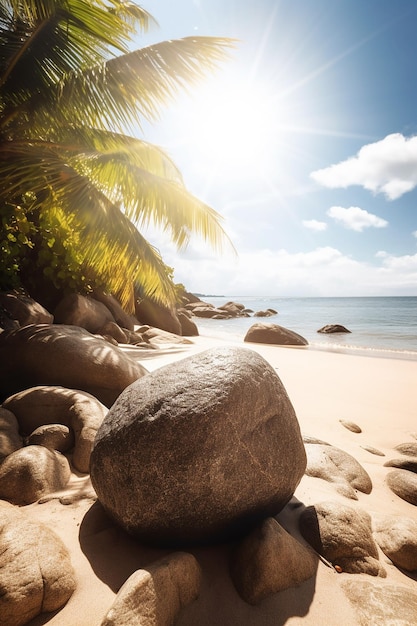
x=380 y=326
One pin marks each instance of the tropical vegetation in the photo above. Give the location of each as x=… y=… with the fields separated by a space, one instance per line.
x=76 y=183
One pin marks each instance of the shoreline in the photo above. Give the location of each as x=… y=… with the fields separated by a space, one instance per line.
x=324 y=388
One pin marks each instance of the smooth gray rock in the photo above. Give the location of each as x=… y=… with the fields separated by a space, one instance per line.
x=67 y=356
x=404 y=484
x=263 y=332
x=32 y=472
x=36 y=574
x=200 y=450
x=80 y=411
x=337 y=467
x=397 y=538
x=343 y=535
x=268 y=561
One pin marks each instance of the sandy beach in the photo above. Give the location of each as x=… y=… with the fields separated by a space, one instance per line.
x=324 y=388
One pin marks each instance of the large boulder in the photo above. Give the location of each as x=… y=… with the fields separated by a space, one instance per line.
x=404 y=484
x=67 y=356
x=397 y=538
x=201 y=450
x=123 y=319
x=24 y=309
x=36 y=574
x=77 y=310
x=263 y=332
x=154 y=314
x=83 y=413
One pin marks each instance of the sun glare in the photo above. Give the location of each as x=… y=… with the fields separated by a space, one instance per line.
x=232 y=128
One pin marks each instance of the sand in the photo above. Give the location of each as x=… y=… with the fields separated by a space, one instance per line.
x=377 y=394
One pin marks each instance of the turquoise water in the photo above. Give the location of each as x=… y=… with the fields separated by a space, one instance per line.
x=379 y=326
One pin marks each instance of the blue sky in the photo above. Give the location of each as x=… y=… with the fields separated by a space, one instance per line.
x=305 y=142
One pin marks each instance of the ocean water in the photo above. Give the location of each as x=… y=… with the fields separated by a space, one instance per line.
x=380 y=326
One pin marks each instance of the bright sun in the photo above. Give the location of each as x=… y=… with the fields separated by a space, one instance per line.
x=233 y=127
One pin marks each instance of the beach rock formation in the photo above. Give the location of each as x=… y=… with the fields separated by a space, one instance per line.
x=32 y=472
x=409 y=448
x=10 y=439
x=397 y=538
x=337 y=467
x=188 y=327
x=274 y=334
x=333 y=328
x=405 y=463
x=122 y=319
x=80 y=411
x=265 y=313
x=68 y=356
x=148 y=312
x=155 y=596
x=381 y=604
x=23 y=309
x=36 y=574
x=343 y=535
x=77 y=310
x=268 y=561
x=404 y=484
x=200 y=451
x=53 y=436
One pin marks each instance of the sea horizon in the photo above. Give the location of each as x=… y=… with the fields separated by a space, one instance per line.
x=384 y=326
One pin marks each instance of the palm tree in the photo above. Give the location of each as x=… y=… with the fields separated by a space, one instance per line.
x=71 y=179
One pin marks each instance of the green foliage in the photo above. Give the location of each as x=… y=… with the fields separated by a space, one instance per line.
x=74 y=189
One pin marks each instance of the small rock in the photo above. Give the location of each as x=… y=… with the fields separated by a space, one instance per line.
x=403 y=484
x=32 y=472
x=274 y=334
x=36 y=574
x=343 y=535
x=409 y=449
x=354 y=428
x=270 y=560
x=333 y=328
x=155 y=596
x=310 y=439
x=409 y=464
x=338 y=467
x=53 y=436
x=397 y=538
x=373 y=450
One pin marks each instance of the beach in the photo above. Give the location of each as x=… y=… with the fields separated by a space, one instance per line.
x=378 y=394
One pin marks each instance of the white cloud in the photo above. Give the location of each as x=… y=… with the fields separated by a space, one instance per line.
x=355 y=218
x=414 y=233
x=315 y=225
x=387 y=166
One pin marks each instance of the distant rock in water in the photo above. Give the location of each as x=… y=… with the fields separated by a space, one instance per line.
x=333 y=328
x=264 y=332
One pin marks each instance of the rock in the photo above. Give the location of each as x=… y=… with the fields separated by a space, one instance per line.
x=111 y=329
x=77 y=310
x=234 y=309
x=210 y=312
x=123 y=319
x=343 y=535
x=24 y=309
x=377 y=605
x=36 y=574
x=266 y=313
x=53 y=436
x=156 y=337
x=333 y=328
x=67 y=356
x=200 y=451
x=188 y=327
x=159 y=316
x=373 y=450
x=6 y=321
x=397 y=538
x=403 y=484
x=275 y=334
x=268 y=561
x=410 y=449
x=155 y=596
x=310 y=439
x=32 y=472
x=10 y=439
x=409 y=464
x=354 y=428
x=83 y=413
x=338 y=467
